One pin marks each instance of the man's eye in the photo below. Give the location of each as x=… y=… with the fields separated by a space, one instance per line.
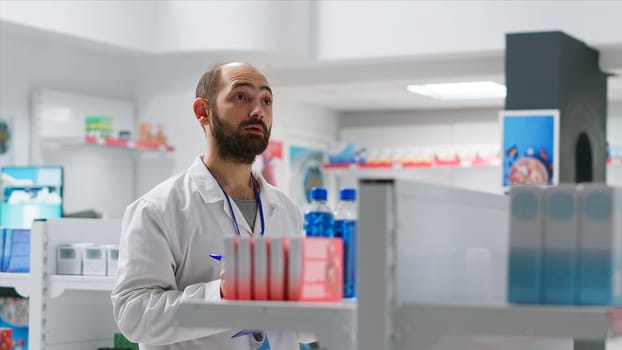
x=267 y=101
x=240 y=97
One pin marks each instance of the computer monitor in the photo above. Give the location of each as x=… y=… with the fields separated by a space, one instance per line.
x=30 y=192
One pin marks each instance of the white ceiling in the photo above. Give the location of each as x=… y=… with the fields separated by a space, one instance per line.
x=347 y=85
x=384 y=95
x=381 y=84
x=392 y=95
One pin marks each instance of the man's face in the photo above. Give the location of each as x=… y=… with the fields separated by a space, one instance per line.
x=237 y=144
x=242 y=117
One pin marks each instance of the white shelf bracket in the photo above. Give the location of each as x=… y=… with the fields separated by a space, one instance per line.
x=376 y=261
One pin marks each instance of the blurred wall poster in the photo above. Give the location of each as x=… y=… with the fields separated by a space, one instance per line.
x=6 y=141
x=305 y=173
x=530 y=147
x=30 y=192
x=270 y=164
x=14 y=319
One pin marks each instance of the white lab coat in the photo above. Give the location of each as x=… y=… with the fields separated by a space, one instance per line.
x=166 y=237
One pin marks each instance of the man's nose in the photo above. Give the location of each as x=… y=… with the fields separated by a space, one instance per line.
x=257 y=112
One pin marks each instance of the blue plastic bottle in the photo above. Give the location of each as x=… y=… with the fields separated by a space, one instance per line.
x=346 y=215
x=318 y=216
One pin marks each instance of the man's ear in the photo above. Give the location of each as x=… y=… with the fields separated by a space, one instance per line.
x=201 y=110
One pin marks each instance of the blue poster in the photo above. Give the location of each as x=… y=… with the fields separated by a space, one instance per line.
x=530 y=147
x=305 y=173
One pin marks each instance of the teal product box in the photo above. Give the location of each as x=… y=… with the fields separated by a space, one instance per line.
x=15 y=250
x=600 y=253
x=525 y=251
x=560 y=245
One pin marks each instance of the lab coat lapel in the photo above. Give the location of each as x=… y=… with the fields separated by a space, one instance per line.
x=270 y=208
x=268 y=211
x=211 y=192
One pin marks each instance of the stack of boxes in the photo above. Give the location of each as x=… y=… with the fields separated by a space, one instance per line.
x=87 y=259
x=566 y=245
x=297 y=268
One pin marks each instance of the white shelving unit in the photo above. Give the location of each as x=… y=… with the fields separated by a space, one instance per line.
x=19 y=281
x=60 y=283
x=121 y=169
x=482 y=177
x=399 y=221
x=118 y=170
x=107 y=143
x=395 y=309
x=588 y=326
x=397 y=215
x=333 y=323
x=66 y=311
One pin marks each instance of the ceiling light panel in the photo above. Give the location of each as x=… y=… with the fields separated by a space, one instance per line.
x=470 y=90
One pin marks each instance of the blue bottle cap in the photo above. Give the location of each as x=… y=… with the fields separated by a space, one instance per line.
x=347 y=194
x=318 y=194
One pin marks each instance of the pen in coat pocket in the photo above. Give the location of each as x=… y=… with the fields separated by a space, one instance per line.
x=216 y=256
x=243 y=332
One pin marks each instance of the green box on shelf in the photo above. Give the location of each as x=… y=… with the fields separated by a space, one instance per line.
x=98 y=125
x=121 y=342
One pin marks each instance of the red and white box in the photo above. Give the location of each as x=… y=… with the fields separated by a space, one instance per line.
x=261 y=269
x=245 y=268
x=278 y=269
x=315 y=269
x=230 y=273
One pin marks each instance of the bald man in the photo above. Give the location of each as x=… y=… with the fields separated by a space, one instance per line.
x=168 y=234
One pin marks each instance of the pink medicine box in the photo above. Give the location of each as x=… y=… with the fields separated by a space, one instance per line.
x=315 y=269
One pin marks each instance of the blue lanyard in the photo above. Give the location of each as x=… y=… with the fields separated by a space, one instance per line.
x=257 y=198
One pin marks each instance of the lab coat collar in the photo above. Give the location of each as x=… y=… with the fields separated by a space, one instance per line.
x=205 y=183
x=208 y=188
x=270 y=203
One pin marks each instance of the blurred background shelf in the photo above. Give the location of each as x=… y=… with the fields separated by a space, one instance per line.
x=128 y=144
x=457 y=163
x=19 y=281
x=108 y=142
x=61 y=283
x=614 y=161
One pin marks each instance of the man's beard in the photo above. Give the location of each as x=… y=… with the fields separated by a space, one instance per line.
x=234 y=143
